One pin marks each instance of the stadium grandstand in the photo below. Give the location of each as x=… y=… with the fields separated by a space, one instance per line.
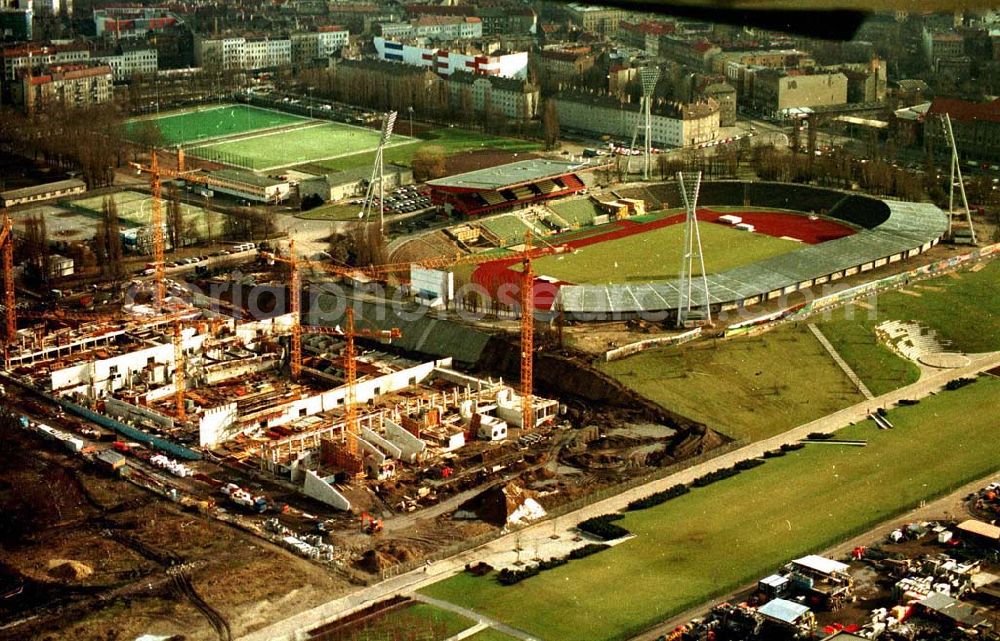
x=887 y=231
x=506 y=187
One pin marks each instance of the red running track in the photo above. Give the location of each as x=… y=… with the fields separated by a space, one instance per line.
x=811 y=231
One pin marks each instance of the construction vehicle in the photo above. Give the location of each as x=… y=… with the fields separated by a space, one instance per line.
x=370 y=524
x=245 y=499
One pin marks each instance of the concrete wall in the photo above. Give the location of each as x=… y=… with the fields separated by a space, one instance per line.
x=409 y=445
x=321 y=490
x=216 y=425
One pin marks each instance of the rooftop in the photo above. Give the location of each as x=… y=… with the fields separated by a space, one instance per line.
x=27 y=192
x=783 y=610
x=511 y=175
x=245 y=177
x=965 y=110
x=821 y=564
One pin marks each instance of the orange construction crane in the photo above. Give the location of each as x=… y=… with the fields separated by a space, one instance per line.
x=7 y=243
x=526 y=300
x=351 y=366
x=157 y=174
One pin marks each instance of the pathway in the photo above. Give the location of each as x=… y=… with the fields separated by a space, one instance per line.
x=841 y=362
x=475 y=616
x=291 y=629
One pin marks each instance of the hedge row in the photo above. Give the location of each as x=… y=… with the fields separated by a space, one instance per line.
x=819 y=436
x=508 y=576
x=959 y=383
x=657 y=498
x=603 y=527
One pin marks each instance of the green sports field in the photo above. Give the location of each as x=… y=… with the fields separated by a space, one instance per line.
x=717 y=538
x=293 y=147
x=656 y=255
x=213 y=122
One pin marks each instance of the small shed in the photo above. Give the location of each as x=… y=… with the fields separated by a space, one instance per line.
x=980 y=530
x=110 y=460
x=788 y=613
x=944 y=607
x=774 y=586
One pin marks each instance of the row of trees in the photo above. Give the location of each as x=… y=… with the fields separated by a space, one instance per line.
x=89 y=140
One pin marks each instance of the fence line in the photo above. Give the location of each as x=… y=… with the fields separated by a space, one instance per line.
x=641 y=346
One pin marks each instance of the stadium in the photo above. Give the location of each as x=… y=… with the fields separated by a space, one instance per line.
x=802 y=237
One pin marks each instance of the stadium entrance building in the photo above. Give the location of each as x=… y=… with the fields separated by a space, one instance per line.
x=506 y=187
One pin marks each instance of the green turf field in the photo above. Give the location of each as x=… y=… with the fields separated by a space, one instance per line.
x=656 y=255
x=714 y=539
x=744 y=387
x=214 y=122
x=452 y=139
x=135 y=209
x=292 y=147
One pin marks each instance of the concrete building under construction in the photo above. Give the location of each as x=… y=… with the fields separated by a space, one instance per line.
x=207 y=382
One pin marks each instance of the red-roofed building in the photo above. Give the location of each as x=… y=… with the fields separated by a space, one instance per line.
x=66 y=85
x=976 y=126
x=645 y=35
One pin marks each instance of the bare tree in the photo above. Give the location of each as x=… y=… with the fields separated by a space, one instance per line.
x=550 y=124
x=428 y=163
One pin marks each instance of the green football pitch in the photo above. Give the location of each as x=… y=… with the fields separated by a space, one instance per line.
x=656 y=255
x=293 y=147
x=213 y=122
x=719 y=537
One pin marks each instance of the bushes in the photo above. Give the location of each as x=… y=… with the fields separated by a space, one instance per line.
x=602 y=526
x=587 y=550
x=508 y=576
x=657 y=498
x=819 y=436
x=748 y=464
x=717 y=475
x=959 y=383
x=774 y=453
x=789 y=447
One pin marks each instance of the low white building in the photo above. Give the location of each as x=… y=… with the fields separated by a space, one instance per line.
x=445 y=62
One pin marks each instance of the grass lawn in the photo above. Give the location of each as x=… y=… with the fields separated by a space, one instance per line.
x=745 y=387
x=879 y=367
x=214 y=122
x=452 y=139
x=963 y=307
x=656 y=255
x=716 y=538
x=425 y=622
x=294 y=147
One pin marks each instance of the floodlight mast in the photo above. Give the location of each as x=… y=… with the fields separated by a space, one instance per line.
x=648 y=77
x=689 y=184
x=378 y=174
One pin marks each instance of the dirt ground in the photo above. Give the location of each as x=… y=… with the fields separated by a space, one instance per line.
x=56 y=508
x=473 y=160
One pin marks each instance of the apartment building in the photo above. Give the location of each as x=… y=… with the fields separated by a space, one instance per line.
x=64 y=85
x=672 y=124
x=515 y=100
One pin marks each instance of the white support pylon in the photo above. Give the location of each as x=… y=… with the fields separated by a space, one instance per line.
x=689 y=184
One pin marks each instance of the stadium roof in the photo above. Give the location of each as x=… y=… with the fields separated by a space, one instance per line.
x=908 y=226
x=506 y=176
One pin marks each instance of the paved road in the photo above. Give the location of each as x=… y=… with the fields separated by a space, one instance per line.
x=289 y=629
